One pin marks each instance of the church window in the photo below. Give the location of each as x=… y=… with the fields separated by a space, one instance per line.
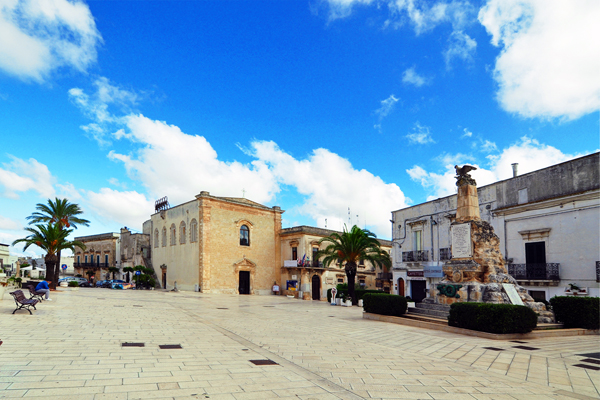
x=244 y=236
x=156 y=238
x=182 y=236
x=164 y=237
x=193 y=231
x=172 y=235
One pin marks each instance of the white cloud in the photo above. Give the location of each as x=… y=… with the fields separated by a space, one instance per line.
x=467 y=133
x=20 y=176
x=38 y=36
x=343 y=8
x=96 y=107
x=175 y=164
x=9 y=224
x=461 y=46
x=387 y=106
x=420 y=135
x=488 y=146
x=331 y=185
x=411 y=76
x=126 y=208
x=528 y=153
x=550 y=58
x=424 y=15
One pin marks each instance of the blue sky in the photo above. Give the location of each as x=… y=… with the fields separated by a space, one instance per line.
x=319 y=107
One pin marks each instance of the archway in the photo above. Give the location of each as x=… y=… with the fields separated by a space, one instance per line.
x=401 y=287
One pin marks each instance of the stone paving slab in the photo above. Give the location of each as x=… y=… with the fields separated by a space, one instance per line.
x=71 y=349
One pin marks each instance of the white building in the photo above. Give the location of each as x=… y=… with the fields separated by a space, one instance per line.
x=548 y=222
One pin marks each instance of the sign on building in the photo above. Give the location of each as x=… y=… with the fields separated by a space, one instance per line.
x=433 y=271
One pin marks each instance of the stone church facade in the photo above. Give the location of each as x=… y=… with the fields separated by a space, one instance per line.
x=216 y=245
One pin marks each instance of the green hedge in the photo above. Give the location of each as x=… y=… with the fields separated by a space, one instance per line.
x=384 y=304
x=577 y=312
x=359 y=293
x=492 y=318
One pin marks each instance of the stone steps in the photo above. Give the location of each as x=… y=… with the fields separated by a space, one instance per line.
x=431 y=310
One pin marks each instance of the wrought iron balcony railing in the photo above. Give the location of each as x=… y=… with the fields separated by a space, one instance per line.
x=445 y=254
x=548 y=272
x=91 y=265
x=417 y=255
x=384 y=276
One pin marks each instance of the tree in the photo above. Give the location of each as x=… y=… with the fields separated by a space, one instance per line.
x=63 y=215
x=349 y=248
x=52 y=239
x=127 y=270
x=113 y=271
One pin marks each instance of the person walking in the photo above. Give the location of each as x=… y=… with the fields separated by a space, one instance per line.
x=42 y=287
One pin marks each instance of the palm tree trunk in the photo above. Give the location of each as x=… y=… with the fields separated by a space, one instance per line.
x=51 y=267
x=56 y=271
x=351 y=275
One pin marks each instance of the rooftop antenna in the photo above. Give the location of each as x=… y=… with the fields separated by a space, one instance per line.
x=161 y=204
x=325 y=223
x=243 y=193
x=349 y=217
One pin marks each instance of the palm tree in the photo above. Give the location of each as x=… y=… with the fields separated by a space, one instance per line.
x=113 y=271
x=62 y=214
x=349 y=248
x=52 y=239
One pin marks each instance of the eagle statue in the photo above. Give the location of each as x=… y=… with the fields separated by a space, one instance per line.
x=464 y=170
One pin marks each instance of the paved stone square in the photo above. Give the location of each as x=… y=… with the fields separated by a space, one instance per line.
x=71 y=348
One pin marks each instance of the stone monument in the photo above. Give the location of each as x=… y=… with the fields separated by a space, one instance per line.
x=477 y=272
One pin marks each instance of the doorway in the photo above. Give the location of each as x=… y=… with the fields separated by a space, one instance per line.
x=417 y=290
x=401 y=287
x=164 y=278
x=316 y=287
x=535 y=260
x=244 y=287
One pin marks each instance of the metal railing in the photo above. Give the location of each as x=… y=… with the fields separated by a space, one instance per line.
x=416 y=255
x=445 y=254
x=91 y=265
x=547 y=272
x=385 y=276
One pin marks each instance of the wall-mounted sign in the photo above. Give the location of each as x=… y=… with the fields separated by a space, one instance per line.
x=512 y=293
x=434 y=271
x=461 y=241
x=414 y=273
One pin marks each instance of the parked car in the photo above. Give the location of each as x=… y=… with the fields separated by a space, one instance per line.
x=86 y=284
x=100 y=283
x=107 y=284
x=77 y=279
x=124 y=285
x=116 y=282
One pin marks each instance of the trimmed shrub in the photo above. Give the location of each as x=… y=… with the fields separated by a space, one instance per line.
x=577 y=312
x=384 y=304
x=73 y=284
x=492 y=318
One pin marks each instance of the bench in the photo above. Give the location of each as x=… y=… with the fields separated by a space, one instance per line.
x=35 y=294
x=23 y=303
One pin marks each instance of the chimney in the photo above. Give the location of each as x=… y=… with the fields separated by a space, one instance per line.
x=515 y=168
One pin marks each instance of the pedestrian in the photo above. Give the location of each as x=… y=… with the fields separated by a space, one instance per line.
x=42 y=287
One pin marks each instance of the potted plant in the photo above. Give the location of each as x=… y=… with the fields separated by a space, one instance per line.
x=573 y=288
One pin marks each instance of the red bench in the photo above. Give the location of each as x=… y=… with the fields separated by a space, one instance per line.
x=23 y=303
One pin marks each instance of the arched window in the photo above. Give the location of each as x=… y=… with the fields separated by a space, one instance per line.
x=172 y=235
x=156 y=238
x=193 y=231
x=244 y=236
x=164 y=237
x=182 y=232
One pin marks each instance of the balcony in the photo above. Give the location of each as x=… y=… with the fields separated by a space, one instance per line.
x=384 y=276
x=445 y=254
x=413 y=256
x=91 y=265
x=535 y=272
